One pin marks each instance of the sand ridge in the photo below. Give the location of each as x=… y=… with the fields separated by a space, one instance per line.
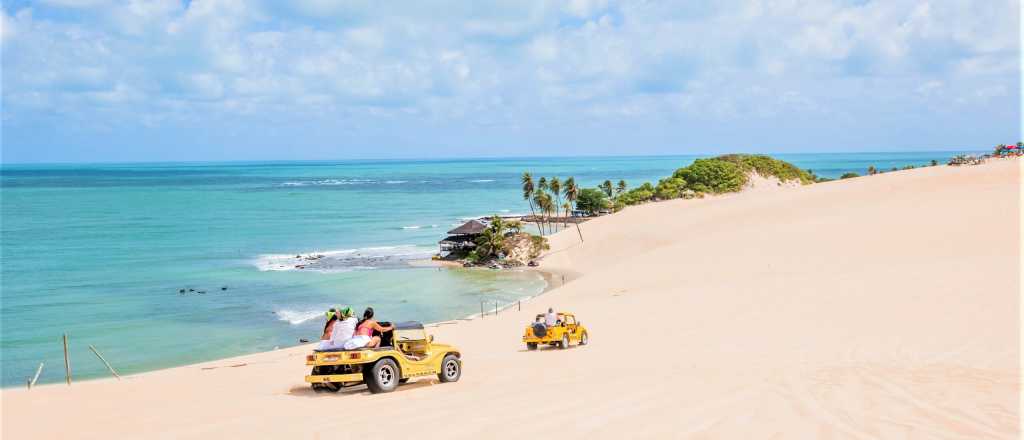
x=875 y=307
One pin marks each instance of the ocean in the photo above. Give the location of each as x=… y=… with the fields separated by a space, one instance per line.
x=166 y=264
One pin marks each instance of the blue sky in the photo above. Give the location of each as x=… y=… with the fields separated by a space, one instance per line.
x=106 y=80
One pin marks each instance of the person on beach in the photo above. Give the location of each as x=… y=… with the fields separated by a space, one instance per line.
x=325 y=338
x=340 y=327
x=364 y=332
x=551 y=319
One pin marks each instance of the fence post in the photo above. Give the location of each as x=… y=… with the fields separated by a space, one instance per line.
x=32 y=382
x=104 y=362
x=67 y=361
x=481 y=308
x=495 y=307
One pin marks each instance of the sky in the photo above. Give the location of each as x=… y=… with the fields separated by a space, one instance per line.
x=173 y=80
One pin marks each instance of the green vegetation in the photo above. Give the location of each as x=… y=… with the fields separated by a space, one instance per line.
x=492 y=240
x=849 y=175
x=591 y=200
x=713 y=176
x=539 y=244
x=722 y=174
x=502 y=238
x=768 y=166
x=670 y=188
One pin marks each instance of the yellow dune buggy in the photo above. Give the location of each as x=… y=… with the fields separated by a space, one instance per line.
x=566 y=331
x=404 y=353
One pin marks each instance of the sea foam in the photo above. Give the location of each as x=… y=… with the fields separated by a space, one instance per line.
x=345 y=260
x=296 y=317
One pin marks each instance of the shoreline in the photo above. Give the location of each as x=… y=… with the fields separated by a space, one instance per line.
x=910 y=336
x=551 y=282
x=554 y=278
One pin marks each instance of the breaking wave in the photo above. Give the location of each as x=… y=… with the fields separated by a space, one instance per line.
x=345 y=260
x=327 y=182
x=296 y=317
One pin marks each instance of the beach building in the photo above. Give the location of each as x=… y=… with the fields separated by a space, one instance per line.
x=463 y=238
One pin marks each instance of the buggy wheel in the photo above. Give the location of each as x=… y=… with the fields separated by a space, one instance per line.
x=531 y=345
x=565 y=342
x=383 y=377
x=451 y=369
x=584 y=339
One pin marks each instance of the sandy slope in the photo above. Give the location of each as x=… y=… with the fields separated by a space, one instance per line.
x=877 y=307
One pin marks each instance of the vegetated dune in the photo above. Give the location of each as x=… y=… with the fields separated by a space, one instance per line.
x=874 y=307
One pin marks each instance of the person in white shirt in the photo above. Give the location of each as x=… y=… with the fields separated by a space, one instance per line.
x=551 y=319
x=342 y=330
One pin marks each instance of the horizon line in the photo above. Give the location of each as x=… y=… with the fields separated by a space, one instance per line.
x=457 y=158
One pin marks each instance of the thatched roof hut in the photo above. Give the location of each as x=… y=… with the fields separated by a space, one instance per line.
x=472 y=227
x=462 y=238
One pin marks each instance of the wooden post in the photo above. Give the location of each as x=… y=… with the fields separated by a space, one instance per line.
x=104 y=362
x=481 y=308
x=519 y=305
x=67 y=361
x=578 y=231
x=495 y=307
x=32 y=382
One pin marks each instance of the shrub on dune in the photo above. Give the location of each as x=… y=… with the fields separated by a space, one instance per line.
x=670 y=188
x=591 y=200
x=768 y=166
x=713 y=175
x=849 y=175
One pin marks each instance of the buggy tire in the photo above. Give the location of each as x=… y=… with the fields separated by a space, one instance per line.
x=451 y=369
x=584 y=338
x=540 y=330
x=382 y=377
x=565 y=342
x=531 y=345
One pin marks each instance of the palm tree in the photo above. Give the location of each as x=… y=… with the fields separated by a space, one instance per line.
x=571 y=191
x=621 y=188
x=556 y=189
x=541 y=199
x=488 y=243
x=565 y=208
x=515 y=226
x=528 y=191
x=549 y=208
x=607 y=188
x=872 y=170
x=491 y=240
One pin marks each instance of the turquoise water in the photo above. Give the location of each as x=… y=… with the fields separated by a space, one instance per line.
x=102 y=251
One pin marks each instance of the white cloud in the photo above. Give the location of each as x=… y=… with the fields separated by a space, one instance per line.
x=513 y=63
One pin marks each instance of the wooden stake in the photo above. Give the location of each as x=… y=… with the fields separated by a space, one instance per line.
x=104 y=362
x=67 y=361
x=32 y=382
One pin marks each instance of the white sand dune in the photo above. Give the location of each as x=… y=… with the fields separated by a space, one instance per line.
x=872 y=308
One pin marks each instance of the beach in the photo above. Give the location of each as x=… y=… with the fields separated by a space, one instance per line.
x=875 y=307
